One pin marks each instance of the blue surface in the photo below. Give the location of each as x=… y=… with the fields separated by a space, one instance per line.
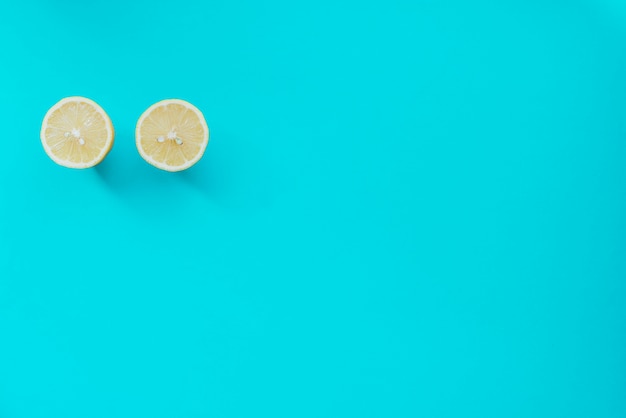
x=406 y=209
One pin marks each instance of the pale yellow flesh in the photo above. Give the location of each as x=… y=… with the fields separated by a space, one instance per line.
x=160 y=128
x=80 y=117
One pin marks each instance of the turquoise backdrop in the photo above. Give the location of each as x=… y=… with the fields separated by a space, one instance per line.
x=406 y=209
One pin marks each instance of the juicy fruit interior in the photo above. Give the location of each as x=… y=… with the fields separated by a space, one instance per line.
x=76 y=132
x=172 y=134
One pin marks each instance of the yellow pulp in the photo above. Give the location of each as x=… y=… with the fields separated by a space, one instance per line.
x=172 y=135
x=76 y=132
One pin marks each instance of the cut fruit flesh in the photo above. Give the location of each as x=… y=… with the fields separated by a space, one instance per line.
x=172 y=135
x=77 y=133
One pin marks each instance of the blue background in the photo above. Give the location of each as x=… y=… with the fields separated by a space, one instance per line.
x=406 y=209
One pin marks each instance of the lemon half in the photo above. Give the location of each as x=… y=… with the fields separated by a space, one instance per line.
x=77 y=133
x=172 y=135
